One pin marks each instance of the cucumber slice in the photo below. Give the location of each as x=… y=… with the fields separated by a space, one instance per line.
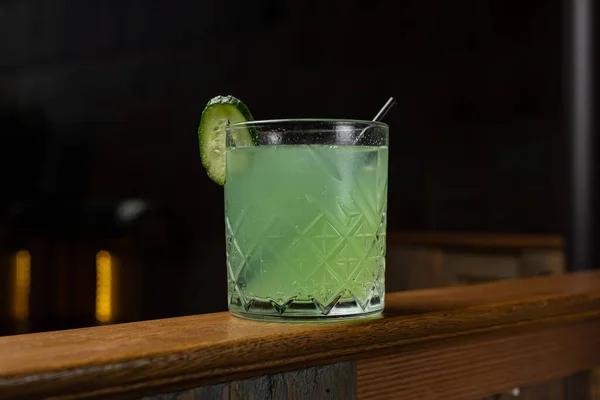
x=212 y=137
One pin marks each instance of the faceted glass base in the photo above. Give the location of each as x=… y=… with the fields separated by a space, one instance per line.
x=297 y=311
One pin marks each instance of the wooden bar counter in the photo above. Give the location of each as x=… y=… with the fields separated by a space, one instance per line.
x=464 y=342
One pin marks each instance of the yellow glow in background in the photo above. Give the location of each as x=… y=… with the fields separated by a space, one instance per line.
x=22 y=285
x=104 y=279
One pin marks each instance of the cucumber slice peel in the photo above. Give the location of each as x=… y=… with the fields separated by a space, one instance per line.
x=212 y=133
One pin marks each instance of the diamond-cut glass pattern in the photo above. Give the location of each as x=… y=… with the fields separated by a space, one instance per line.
x=305 y=230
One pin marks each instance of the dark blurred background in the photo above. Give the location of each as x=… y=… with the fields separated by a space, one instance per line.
x=100 y=176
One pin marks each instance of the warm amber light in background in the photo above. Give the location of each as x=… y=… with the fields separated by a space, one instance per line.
x=104 y=280
x=22 y=285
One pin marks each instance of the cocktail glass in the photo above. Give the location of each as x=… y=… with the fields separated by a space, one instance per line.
x=305 y=215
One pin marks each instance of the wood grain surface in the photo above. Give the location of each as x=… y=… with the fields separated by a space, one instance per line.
x=323 y=382
x=475 y=367
x=490 y=241
x=179 y=353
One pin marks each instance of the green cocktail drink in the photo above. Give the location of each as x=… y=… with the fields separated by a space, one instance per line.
x=305 y=227
x=305 y=212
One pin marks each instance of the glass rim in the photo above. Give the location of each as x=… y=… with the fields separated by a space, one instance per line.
x=334 y=121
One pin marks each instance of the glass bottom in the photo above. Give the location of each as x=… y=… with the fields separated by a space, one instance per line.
x=305 y=311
